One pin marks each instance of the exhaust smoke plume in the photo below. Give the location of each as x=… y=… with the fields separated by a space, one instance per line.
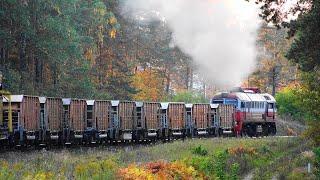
x=219 y=35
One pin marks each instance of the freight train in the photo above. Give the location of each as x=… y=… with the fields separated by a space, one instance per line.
x=30 y=120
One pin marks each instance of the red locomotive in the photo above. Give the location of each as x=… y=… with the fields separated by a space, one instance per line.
x=254 y=111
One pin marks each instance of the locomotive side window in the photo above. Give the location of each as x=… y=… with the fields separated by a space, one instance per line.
x=271 y=106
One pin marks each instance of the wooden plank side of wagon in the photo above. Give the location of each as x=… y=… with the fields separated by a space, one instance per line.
x=54 y=113
x=102 y=110
x=30 y=113
x=126 y=114
x=151 y=115
x=176 y=115
x=78 y=110
x=201 y=115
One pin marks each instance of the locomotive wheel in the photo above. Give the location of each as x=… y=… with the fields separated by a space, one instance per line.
x=265 y=130
x=273 y=129
x=251 y=130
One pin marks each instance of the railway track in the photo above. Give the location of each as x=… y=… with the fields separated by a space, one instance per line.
x=122 y=144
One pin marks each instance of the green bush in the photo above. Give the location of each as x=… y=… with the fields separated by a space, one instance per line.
x=202 y=164
x=220 y=164
x=289 y=104
x=317 y=162
x=199 y=150
x=188 y=97
x=235 y=168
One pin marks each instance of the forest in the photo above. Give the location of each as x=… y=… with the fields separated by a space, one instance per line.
x=93 y=49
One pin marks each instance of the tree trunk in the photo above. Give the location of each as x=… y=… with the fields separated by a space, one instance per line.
x=273 y=81
x=38 y=70
x=188 y=78
x=22 y=59
x=2 y=57
x=168 y=82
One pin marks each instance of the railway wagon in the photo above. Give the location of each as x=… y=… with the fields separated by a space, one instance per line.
x=201 y=117
x=51 y=116
x=226 y=113
x=151 y=116
x=176 y=117
x=77 y=119
x=102 y=117
x=122 y=119
x=74 y=120
x=25 y=118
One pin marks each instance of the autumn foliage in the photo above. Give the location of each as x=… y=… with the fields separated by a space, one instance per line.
x=241 y=150
x=149 y=85
x=159 y=170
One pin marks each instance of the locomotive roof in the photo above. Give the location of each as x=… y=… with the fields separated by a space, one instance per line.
x=189 y=105
x=269 y=98
x=256 y=97
x=242 y=96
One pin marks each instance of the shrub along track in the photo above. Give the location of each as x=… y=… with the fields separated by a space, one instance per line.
x=280 y=166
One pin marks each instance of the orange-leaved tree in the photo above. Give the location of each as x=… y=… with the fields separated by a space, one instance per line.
x=148 y=84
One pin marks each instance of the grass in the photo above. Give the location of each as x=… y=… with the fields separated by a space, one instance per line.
x=226 y=158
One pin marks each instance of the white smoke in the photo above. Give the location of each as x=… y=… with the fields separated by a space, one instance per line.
x=219 y=35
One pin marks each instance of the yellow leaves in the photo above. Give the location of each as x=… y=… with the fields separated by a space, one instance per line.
x=89 y=54
x=240 y=150
x=95 y=169
x=41 y=176
x=112 y=33
x=159 y=170
x=148 y=84
x=112 y=21
x=133 y=172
